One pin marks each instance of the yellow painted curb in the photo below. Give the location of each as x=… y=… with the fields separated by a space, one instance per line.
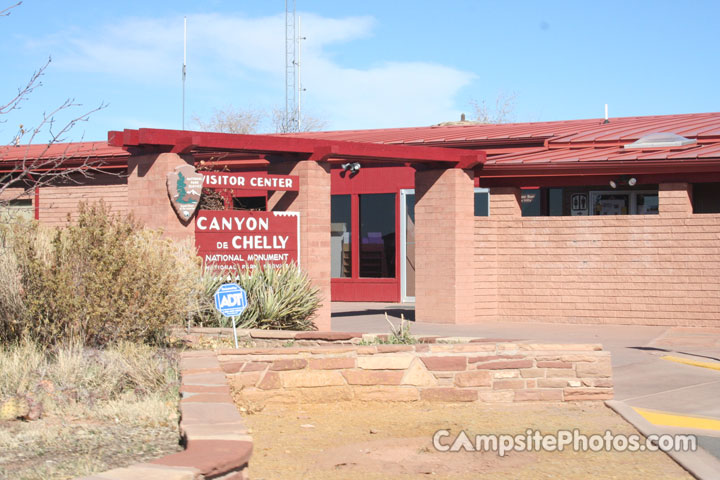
x=667 y=419
x=694 y=363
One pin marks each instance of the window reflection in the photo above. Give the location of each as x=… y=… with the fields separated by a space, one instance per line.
x=377 y=235
x=340 y=234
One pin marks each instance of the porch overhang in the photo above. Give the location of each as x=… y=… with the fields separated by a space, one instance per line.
x=186 y=142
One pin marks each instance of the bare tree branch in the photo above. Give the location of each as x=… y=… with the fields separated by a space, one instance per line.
x=502 y=112
x=23 y=168
x=238 y=120
x=7 y=11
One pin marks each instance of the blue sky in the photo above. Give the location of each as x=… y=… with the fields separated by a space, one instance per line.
x=366 y=64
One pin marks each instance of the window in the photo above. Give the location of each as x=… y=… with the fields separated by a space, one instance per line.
x=531 y=202
x=482 y=202
x=599 y=200
x=377 y=235
x=706 y=197
x=623 y=203
x=249 y=203
x=340 y=238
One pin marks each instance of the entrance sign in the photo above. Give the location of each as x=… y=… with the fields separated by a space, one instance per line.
x=228 y=238
x=231 y=301
x=184 y=186
x=251 y=181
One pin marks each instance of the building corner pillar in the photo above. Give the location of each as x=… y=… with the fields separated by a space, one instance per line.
x=675 y=199
x=444 y=246
x=313 y=202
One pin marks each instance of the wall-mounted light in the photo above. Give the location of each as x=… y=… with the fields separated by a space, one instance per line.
x=352 y=167
x=623 y=180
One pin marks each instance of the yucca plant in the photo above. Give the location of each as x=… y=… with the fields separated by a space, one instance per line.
x=279 y=298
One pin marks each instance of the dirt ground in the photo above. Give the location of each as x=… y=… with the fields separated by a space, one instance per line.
x=394 y=441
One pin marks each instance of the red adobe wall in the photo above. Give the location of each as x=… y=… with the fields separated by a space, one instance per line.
x=641 y=269
x=57 y=202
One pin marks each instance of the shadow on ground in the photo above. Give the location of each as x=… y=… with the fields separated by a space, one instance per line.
x=408 y=313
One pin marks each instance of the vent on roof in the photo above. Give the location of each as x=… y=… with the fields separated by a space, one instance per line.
x=660 y=140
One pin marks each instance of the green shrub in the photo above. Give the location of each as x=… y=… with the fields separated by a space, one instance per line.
x=279 y=298
x=100 y=280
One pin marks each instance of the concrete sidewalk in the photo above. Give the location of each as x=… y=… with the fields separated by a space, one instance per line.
x=647 y=369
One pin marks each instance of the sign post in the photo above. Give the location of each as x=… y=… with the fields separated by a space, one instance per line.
x=231 y=301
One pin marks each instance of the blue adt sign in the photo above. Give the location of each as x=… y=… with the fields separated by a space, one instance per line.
x=230 y=299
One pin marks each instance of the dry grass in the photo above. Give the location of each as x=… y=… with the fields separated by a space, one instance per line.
x=101 y=408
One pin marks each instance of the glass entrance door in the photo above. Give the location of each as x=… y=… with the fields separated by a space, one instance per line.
x=407 y=245
x=363 y=245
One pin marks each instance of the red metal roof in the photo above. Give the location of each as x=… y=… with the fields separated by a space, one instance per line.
x=61 y=150
x=608 y=154
x=703 y=126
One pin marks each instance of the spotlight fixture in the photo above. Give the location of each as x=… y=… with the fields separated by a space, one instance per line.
x=624 y=180
x=353 y=167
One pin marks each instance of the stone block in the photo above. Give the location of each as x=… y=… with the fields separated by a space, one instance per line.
x=207 y=398
x=560 y=373
x=149 y=472
x=232 y=367
x=539 y=395
x=280 y=396
x=449 y=394
x=326 y=394
x=579 y=394
x=599 y=368
x=327 y=336
x=532 y=373
x=289 y=364
x=373 y=377
x=418 y=375
x=206 y=379
x=394 y=348
x=270 y=381
x=509 y=384
x=501 y=396
x=255 y=366
x=474 y=378
x=450 y=363
x=552 y=382
x=210 y=457
x=311 y=378
x=385 y=362
x=490 y=358
x=504 y=364
x=386 y=394
x=244 y=379
x=335 y=363
x=272 y=334
x=553 y=364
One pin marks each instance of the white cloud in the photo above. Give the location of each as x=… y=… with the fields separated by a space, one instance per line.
x=240 y=60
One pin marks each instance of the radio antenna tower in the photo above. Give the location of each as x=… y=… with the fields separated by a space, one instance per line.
x=291 y=122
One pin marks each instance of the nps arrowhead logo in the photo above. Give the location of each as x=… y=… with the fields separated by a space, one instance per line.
x=184 y=187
